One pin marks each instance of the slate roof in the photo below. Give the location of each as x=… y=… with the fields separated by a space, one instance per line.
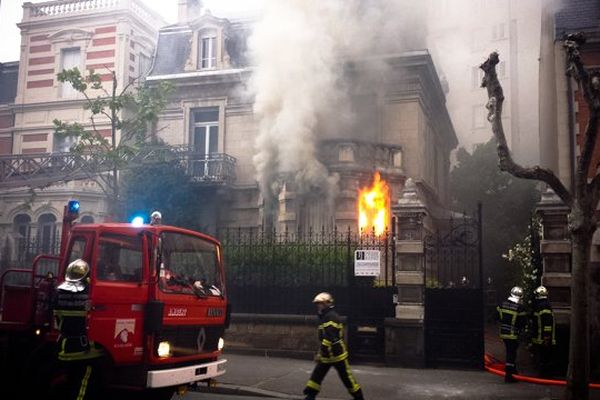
x=9 y=74
x=577 y=15
x=174 y=46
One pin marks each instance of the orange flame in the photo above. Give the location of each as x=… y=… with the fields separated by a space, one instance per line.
x=374 y=206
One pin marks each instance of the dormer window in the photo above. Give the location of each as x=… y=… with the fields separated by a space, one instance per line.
x=207 y=51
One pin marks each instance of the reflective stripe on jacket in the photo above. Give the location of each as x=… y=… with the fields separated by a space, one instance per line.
x=70 y=313
x=512 y=319
x=543 y=323
x=331 y=337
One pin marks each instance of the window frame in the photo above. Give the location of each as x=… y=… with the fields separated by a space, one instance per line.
x=66 y=89
x=211 y=58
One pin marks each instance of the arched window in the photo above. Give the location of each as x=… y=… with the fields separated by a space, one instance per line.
x=47 y=237
x=22 y=232
x=87 y=219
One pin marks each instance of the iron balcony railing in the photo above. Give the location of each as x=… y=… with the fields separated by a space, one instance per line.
x=40 y=170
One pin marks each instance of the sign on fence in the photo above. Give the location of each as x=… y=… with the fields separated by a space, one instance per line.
x=366 y=262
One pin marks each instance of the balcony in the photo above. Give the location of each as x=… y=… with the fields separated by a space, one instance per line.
x=40 y=170
x=69 y=8
x=212 y=168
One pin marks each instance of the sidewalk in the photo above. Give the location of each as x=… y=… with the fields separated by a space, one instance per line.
x=285 y=378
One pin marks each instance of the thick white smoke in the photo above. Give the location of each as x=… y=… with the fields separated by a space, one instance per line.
x=299 y=49
x=296 y=48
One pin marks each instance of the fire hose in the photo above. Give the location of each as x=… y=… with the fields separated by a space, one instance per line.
x=496 y=366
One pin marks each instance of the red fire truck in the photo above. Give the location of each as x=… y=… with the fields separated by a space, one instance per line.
x=155 y=306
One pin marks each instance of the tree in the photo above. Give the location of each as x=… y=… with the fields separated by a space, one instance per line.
x=507 y=207
x=582 y=201
x=165 y=187
x=131 y=111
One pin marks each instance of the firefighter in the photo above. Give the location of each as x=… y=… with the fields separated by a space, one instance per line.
x=543 y=331
x=332 y=352
x=78 y=355
x=513 y=319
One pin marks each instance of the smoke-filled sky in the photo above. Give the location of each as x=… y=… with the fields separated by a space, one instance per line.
x=300 y=50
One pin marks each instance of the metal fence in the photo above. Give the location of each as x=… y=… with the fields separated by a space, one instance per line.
x=280 y=272
x=21 y=252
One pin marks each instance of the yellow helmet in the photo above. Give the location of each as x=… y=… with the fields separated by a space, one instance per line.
x=323 y=297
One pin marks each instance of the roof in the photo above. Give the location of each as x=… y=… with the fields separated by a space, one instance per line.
x=577 y=15
x=9 y=76
x=175 y=44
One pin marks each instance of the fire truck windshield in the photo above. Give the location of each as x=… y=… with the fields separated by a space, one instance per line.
x=189 y=265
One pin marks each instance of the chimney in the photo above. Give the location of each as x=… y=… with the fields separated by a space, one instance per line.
x=188 y=10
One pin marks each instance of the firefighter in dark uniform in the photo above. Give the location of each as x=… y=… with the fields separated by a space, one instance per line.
x=76 y=352
x=543 y=331
x=332 y=352
x=513 y=319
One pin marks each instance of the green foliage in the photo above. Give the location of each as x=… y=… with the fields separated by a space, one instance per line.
x=523 y=256
x=508 y=203
x=131 y=111
x=165 y=187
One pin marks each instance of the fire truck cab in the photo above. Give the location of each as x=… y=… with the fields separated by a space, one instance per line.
x=155 y=306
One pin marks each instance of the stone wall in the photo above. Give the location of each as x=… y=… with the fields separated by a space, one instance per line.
x=296 y=336
x=273 y=334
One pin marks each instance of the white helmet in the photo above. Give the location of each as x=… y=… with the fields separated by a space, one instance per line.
x=155 y=218
x=541 y=292
x=516 y=293
x=323 y=297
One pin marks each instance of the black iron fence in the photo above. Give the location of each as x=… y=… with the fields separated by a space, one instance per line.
x=20 y=252
x=280 y=272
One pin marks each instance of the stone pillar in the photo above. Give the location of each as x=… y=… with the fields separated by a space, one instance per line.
x=287 y=214
x=405 y=334
x=555 y=250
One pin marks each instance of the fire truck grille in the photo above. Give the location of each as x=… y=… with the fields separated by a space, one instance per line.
x=191 y=340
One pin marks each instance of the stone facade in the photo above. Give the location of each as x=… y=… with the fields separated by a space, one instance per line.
x=412 y=135
x=117 y=36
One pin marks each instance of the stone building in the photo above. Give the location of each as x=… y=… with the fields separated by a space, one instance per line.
x=409 y=133
x=563 y=120
x=106 y=36
x=461 y=35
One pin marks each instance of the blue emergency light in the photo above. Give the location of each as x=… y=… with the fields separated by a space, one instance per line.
x=138 y=220
x=73 y=206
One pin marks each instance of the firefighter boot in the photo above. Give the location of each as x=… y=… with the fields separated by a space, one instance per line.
x=508 y=374
x=358 y=395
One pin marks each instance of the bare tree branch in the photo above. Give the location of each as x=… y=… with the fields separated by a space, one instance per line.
x=505 y=160
x=590 y=89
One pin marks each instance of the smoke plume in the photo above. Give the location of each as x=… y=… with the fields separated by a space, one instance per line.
x=300 y=50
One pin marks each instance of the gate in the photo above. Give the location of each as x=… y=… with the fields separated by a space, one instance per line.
x=454 y=303
x=280 y=273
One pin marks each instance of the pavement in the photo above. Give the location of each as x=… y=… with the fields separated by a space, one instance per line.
x=262 y=376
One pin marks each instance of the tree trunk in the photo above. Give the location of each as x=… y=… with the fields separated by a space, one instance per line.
x=579 y=362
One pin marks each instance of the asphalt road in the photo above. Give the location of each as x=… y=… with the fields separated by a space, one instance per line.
x=285 y=378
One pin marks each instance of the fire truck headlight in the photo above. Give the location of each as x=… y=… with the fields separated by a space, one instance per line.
x=221 y=344
x=77 y=271
x=164 y=349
